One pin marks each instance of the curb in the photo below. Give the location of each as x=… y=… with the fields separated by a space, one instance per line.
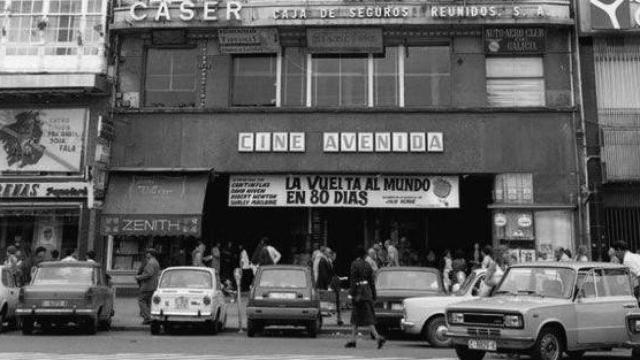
x=325 y=330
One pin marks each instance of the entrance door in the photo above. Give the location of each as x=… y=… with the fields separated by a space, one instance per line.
x=345 y=232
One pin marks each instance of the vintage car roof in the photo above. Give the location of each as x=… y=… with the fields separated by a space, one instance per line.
x=571 y=264
x=68 y=264
x=409 y=268
x=284 y=267
x=201 y=268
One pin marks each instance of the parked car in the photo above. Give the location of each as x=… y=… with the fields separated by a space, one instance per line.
x=283 y=295
x=9 y=293
x=67 y=292
x=425 y=316
x=633 y=329
x=395 y=284
x=546 y=309
x=188 y=295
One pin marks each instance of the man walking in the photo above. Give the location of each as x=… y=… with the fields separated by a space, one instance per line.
x=148 y=281
x=630 y=260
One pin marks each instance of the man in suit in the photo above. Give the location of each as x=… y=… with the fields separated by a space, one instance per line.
x=148 y=282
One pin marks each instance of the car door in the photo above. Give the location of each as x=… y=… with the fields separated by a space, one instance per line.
x=620 y=301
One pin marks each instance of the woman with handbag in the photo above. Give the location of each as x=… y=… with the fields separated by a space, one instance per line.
x=363 y=294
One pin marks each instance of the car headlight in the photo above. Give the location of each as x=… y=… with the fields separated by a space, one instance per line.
x=634 y=325
x=156 y=299
x=456 y=318
x=513 y=321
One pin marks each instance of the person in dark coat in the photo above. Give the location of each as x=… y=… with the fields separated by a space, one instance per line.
x=325 y=272
x=148 y=281
x=363 y=294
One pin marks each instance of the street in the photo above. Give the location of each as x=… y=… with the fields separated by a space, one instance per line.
x=229 y=345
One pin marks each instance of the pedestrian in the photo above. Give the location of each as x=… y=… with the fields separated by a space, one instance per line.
x=215 y=258
x=335 y=284
x=261 y=255
x=561 y=255
x=228 y=260
x=581 y=254
x=447 y=269
x=630 y=260
x=70 y=255
x=458 y=265
x=91 y=257
x=495 y=271
x=304 y=257
x=392 y=251
x=568 y=253
x=404 y=251
x=197 y=255
x=273 y=253
x=39 y=256
x=612 y=256
x=371 y=259
x=363 y=295
x=476 y=257
x=315 y=270
x=55 y=255
x=325 y=270
x=148 y=281
x=245 y=265
x=23 y=275
x=487 y=256
x=11 y=262
x=431 y=260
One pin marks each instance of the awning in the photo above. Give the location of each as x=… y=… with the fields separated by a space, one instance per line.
x=154 y=205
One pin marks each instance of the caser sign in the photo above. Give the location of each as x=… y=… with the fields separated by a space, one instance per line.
x=615 y=14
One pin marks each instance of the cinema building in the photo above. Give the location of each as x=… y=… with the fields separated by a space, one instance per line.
x=54 y=123
x=341 y=123
x=610 y=72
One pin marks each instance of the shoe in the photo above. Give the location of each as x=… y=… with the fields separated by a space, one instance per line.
x=146 y=322
x=350 y=344
x=381 y=342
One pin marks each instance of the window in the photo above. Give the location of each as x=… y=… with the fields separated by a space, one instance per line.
x=340 y=80
x=386 y=75
x=294 y=73
x=617 y=280
x=171 y=77
x=515 y=82
x=427 y=76
x=283 y=278
x=254 y=80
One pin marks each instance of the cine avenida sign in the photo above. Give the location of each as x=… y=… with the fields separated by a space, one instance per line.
x=357 y=191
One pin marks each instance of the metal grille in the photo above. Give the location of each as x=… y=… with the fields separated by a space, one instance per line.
x=623 y=224
x=484 y=319
x=483 y=332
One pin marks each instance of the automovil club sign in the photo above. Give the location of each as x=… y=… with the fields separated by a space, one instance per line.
x=344 y=191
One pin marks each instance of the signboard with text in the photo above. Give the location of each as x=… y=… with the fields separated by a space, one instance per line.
x=42 y=140
x=514 y=40
x=357 y=191
x=248 y=41
x=51 y=190
x=159 y=225
x=345 y=40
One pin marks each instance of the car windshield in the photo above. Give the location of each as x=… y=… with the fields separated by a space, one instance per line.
x=191 y=279
x=64 y=275
x=407 y=280
x=281 y=278
x=538 y=281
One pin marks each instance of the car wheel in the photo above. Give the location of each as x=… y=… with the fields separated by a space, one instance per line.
x=435 y=333
x=212 y=326
x=251 y=328
x=548 y=346
x=27 y=326
x=91 y=326
x=155 y=328
x=312 y=328
x=575 y=355
x=464 y=353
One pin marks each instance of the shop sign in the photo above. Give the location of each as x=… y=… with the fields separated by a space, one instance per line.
x=500 y=219
x=407 y=192
x=158 y=225
x=25 y=190
x=345 y=40
x=525 y=221
x=248 y=41
x=184 y=10
x=346 y=142
x=42 y=140
x=514 y=40
x=616 y=15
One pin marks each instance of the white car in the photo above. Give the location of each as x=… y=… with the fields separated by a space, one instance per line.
x=9 y=293
x=425 y=316
x=188 y=295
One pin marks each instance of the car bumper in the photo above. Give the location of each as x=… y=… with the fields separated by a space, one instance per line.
x=503 y=342
x=389 y=320
x=181 y=318
x=409 y=327
x=55 y=312
x=282 y=314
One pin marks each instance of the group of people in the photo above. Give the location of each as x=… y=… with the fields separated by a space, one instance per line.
x=22 y=265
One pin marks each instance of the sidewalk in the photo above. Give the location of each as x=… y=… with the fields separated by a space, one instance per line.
x=127 y=317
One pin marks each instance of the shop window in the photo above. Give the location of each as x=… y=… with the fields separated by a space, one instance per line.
x=554 y=228
x=254 y=80
x=171 y=78
x=386 y=75
x=340 y=80
x=128 y=252
x=514 y=188
x=515 y=81
x=294 y=73
x=427 y=76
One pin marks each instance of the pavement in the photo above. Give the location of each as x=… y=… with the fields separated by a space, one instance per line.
x=127 y=317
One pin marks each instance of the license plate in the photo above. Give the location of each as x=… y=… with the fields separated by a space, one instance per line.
x=397 y=307
x=486 y=345
x=181 y=303
x=277 y=295
x=54 y=303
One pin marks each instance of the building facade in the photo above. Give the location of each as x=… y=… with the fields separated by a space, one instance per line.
x=53 y=103
x=434 y=123
x=610 y=70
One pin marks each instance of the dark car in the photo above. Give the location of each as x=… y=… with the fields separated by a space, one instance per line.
x=283 y=295
x=66 y=292
x=394 y=284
